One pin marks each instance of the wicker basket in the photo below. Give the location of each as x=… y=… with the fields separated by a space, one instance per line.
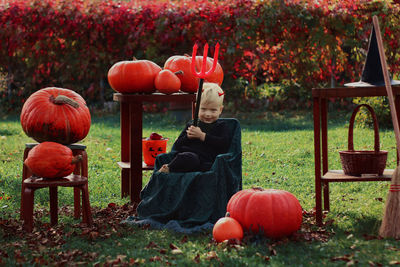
x=363 y=162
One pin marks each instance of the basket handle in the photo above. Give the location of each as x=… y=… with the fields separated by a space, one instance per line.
x=351 y=126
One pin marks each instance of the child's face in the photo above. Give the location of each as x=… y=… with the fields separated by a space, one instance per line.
x=209 y=112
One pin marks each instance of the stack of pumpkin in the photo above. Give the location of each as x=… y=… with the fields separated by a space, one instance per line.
x=145 y=76
x=54 y=117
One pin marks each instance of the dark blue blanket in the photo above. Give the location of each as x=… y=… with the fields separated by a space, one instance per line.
x=194 y=201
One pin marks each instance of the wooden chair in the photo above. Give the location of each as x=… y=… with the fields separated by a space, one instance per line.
x=78 y=180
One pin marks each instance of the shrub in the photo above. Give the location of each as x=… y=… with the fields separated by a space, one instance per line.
x=297 y=44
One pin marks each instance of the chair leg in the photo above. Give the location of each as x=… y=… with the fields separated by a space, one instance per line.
x=28 y=196
x=87 y=214
x=84 y=164
x=77 y=193
x=77 y=203
x=80 y=169
x=21 y=210
x=53 y=205
x=25 y=174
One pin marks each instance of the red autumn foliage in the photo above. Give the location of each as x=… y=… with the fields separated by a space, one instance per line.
x=72 y=44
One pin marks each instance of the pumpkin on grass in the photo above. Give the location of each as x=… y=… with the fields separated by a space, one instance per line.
x=51 y=160
x=55 y=114
x=190 y=83
x=277 y=213
x=135 y=76
x=227 y=228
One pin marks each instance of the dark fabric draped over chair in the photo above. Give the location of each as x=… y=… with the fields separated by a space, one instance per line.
x=193 y=199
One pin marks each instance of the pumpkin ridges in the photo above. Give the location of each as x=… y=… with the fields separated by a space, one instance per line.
x=188 y=80
x=281 y=217
x=36 y=124
x=277 y=212
x=133 y=76
x=50 y=160
x=67 y=127
x=167 y=82
x=237 y=203
x=43 y=120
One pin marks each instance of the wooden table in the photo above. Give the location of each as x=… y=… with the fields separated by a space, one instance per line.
x=131 y=164
x=325 y=176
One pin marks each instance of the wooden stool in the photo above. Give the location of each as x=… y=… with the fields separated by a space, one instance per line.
x=81 y=169
x=32 y=183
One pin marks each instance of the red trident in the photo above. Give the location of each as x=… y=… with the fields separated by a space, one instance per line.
x=202 y=75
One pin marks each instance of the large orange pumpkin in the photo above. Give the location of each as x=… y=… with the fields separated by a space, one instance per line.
x=227 y=228
x=50 y=160
x=275 y=212
x=136 y=76
x=190 y=82
x=55 y=114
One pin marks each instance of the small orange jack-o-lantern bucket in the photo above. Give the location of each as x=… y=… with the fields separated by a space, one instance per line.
x=151 y=148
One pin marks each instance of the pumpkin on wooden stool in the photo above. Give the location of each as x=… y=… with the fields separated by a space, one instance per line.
x=81 y=169
x=51 y=165
x=51 y=160
x=276 y=213
x=55 y=114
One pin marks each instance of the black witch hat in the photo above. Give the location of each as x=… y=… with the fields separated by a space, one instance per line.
x=372 y=74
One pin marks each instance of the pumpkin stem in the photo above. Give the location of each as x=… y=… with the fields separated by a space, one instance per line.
x=76 y=159
x=257 y=188
x=62 y=99
x=178 y=72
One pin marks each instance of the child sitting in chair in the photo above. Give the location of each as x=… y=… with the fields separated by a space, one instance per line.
x=199 y=146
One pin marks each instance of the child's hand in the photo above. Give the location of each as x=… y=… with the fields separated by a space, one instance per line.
x=194 y=132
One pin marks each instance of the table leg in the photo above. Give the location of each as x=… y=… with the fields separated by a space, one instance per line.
x=317 y=158
x=125 y=128
x=136 y=120
x=397 y=104
x=324 y=133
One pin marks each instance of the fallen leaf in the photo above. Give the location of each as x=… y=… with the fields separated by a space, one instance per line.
x=346 y=258
x=163 y=251
x=370 y=237
x=176 y=251
x=184 y=239
x=172 y=246
x=155 y=258
x=112 y=205
x=212 y=255
x=93 y=235
x=265 y=258
x=151 y=245
x=197 y=258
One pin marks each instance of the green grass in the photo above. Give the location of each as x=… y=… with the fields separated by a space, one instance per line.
x=278 y=152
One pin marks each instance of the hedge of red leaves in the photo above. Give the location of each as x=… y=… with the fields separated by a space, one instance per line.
x=72 y=44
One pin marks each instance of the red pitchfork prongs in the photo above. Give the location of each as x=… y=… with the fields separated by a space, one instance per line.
x=202 y=74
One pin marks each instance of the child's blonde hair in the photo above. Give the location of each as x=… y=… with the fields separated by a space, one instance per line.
x=212 y=93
